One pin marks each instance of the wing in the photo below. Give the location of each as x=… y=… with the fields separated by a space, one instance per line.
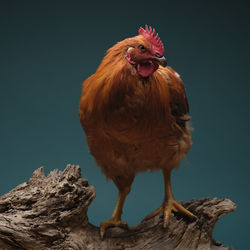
x=178 y=99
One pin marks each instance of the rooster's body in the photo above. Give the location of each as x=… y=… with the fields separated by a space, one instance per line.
x=134 y=112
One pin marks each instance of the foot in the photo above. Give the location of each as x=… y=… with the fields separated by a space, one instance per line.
x=111 y=223
x=168 y=207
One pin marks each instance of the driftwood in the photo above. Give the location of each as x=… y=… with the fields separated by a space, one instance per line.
x=51 y=213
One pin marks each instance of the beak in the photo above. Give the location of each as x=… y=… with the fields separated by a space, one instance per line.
x=161 y=61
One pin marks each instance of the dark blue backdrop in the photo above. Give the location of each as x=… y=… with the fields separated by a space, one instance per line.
x=47 y=48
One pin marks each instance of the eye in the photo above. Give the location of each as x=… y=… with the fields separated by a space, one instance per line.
x=142 y=48
x=157 y=55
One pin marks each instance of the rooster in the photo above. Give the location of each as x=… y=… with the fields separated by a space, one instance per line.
x=134 y=113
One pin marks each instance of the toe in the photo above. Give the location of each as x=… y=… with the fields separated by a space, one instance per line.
x=181 y=209
x=103 y=227
x=167 y=212
x=108 y=224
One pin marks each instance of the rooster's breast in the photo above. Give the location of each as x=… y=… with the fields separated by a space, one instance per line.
x=128 y=144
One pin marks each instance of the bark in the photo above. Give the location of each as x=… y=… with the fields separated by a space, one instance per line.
x=51 y=213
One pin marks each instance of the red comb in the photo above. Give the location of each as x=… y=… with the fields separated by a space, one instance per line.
x=154 y=38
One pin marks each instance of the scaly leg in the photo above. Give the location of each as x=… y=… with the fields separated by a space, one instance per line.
x=115 y=219
x=169 y=204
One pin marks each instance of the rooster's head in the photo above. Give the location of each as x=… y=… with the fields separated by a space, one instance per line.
x=146 y=52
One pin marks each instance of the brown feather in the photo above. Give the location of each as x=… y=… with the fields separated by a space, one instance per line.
x=133 y=124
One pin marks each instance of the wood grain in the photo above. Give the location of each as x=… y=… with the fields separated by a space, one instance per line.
x=51 y=213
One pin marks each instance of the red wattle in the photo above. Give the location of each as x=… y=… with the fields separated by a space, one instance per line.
x=146 y=69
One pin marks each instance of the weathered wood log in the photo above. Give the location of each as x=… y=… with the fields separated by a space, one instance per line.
x=51 y=213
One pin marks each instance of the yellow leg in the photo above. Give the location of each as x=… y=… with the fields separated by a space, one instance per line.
x=169 y=204
x=116 y=215
x=115 y=219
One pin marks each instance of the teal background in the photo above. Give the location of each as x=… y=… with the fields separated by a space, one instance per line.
x=47 y=48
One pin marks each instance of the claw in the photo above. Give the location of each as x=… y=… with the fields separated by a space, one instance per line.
x=102 y=233
x=165 y=221
x=107 y=224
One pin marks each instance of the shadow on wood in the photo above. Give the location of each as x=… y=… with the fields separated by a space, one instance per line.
x=51 y=213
